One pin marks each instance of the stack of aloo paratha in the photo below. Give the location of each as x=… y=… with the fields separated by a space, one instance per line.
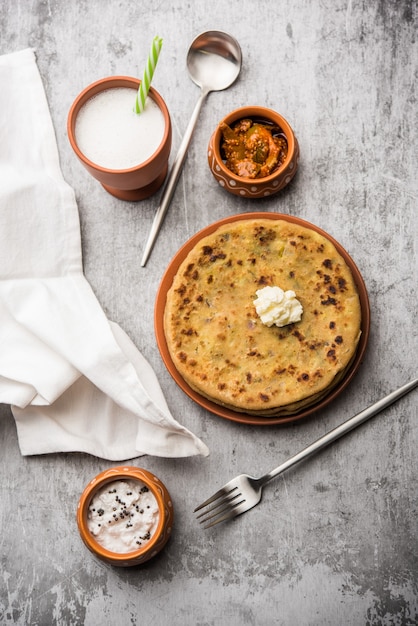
x=218 y=343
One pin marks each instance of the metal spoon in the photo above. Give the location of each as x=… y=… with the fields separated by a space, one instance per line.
x=214 y=63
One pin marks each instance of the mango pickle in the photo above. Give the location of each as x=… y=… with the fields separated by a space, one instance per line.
x=253 y=149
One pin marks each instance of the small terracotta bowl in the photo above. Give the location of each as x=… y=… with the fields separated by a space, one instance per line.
x=141 y=181
x=161 y=534
x=253 y=187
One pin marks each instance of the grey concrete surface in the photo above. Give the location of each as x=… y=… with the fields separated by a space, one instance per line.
x=334 y=541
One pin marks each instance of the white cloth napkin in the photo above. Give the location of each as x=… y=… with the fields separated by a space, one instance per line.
x=74 y=380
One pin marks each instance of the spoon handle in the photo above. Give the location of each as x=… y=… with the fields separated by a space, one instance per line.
x=172 y=179
x=341 y=430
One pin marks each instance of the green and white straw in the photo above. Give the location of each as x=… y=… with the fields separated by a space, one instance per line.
x=152 y=60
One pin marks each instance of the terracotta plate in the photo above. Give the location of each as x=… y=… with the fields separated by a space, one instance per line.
x=219 y=410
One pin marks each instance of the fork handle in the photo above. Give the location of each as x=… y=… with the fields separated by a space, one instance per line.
x=341 y=430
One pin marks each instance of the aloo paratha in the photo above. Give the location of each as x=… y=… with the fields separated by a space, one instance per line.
x=219 y=345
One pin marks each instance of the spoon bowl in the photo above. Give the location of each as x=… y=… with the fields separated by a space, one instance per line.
x=214 y=62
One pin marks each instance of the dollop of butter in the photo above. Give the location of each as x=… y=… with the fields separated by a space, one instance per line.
x=275 y=306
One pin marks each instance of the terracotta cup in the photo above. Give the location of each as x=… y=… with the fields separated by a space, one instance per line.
x=141 y=181
x=253 y=187
x=165 y=522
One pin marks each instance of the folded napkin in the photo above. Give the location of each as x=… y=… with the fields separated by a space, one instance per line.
x=74 y=380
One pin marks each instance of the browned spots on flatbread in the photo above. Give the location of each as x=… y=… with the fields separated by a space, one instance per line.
x=220 y=346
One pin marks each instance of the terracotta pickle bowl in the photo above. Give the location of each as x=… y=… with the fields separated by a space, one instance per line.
x=158 y=539
x=254 y=187
x=141 y=181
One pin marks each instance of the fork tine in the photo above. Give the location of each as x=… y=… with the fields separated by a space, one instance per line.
x=223 y=518
x=226 y=504
x=224 y=491
x=223 y=499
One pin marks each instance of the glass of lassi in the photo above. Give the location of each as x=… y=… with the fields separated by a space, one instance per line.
x=125 y=516
x=126 y=152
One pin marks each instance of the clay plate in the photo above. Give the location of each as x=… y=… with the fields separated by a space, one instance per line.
x=224 y=412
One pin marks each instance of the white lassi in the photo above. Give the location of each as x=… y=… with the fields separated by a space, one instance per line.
x=109 y=133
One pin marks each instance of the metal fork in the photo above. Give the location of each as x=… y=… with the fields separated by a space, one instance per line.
x=243 y=492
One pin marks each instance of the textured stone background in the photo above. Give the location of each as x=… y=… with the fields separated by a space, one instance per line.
x=334 y=540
